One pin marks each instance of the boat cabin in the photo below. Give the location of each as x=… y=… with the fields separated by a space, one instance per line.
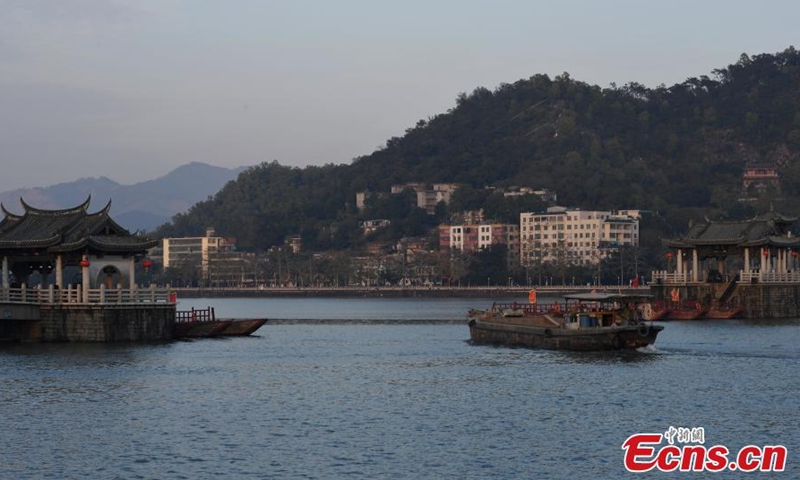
x=586 y=310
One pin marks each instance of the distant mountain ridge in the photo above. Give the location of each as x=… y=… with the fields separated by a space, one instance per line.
x=140 y=206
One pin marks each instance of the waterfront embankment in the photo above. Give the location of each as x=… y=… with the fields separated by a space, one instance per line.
x=400 y=292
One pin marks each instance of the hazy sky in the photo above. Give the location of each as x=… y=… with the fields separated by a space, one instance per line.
x=131 y=89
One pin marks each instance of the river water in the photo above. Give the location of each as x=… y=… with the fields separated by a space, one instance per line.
x=391 y=400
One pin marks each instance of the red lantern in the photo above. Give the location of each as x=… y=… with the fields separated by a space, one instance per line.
x=670 y=255
x=84 y=263
x=765 y=252
x=147 y=264
x=794 y=253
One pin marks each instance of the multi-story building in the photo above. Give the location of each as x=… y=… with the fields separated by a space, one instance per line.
x=194 y=251
x=361 y=200
x=428 y=196
x=544 y=194
x=470 y=238
x=213 y=258
x=761 y=176
x=372 y=226
x=439 y=192
x=579 y=237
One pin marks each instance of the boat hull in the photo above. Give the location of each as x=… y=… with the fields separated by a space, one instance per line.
x=201 y=329
x=719 y=314
x=242 y=328
x=627 y=337
x=218 y=328
x=687 y=314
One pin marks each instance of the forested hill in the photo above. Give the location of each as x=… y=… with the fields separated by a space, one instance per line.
x=677 y=150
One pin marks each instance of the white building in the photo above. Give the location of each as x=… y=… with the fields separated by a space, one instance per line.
x=577 y=236
x=544 y=194
x=372 y=226
x=428 y=196
x=194 y=250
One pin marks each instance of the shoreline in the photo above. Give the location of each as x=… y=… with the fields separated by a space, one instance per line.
x=397 y=292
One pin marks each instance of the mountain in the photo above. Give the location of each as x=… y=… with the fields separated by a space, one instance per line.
x=140 y=206
x=678 y=151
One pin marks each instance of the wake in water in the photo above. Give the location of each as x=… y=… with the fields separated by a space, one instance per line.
x=733 y=351
x=649 y=349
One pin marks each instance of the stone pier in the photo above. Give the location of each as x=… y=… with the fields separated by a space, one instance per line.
x=759 y=300
x=89 y=323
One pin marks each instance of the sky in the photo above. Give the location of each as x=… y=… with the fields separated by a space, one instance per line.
x=131 y=89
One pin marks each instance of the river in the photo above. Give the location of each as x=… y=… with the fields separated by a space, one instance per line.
x=388 y=399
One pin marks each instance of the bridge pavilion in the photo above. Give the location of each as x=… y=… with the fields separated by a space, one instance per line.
x=99 y=301
x=753 y=262
x=762 y=248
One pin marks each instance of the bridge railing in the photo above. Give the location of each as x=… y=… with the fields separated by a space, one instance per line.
x=663 y=276
x=753 y=276
x=769 y=277
x=76 y=295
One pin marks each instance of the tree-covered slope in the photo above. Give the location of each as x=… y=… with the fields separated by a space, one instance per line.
x=677 y=150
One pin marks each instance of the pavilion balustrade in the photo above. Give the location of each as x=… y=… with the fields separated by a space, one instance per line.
x=663 y=276
x=752 y=276
x=94 y=296
x=776 y=277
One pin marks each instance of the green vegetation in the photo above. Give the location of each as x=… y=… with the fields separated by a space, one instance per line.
x=676 y=151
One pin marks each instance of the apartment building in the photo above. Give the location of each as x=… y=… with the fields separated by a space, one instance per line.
x=579 y=237
x=194 y=250
x=470 y=238
x=428 y=195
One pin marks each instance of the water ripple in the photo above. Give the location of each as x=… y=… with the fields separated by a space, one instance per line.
x=385 y=401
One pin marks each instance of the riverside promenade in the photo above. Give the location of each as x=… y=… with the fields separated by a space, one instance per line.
x=401 y=292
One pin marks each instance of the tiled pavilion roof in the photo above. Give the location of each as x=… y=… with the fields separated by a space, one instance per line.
x=770 y=229
x=68 y=230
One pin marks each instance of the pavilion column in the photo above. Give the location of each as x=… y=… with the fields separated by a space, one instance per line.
x=747 y=260
x=131 y=274
x=695 y=265
x=763 y=261
x=680 y=262
x=85 y=278
x=6 y=283
x=60 y=271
